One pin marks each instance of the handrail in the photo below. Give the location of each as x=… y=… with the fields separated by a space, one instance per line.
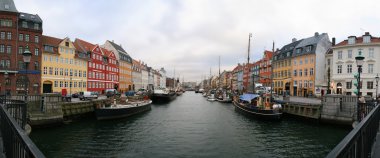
x=358 y=143
x=15 y=140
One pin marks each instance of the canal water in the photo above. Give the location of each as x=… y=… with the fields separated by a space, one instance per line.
x=189 y=126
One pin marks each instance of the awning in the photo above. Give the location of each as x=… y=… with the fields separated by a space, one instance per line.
x=248 y=97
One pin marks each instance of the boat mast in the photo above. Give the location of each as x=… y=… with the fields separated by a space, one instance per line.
x=219 y=72
x=271 y=74
x=247 y=66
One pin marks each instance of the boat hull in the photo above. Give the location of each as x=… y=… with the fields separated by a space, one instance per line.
x=118 y=113
x=225 y=100
x=163 y=98
x=273 y=115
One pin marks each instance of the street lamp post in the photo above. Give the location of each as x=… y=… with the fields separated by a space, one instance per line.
x=359 y=62
x=27 y=55
x=377 y=85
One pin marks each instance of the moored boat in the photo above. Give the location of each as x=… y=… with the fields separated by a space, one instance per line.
x=163 y=96
x=258 y=106
x=118 y=111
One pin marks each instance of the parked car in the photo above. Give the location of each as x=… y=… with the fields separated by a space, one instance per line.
x=75 y=95
x=87 y=95
x=112 y=92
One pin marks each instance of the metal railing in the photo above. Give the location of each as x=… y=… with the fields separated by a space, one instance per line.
x=359 y=142
x=12 y=123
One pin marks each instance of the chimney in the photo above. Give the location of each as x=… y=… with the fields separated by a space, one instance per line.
x=367 y=33
x=316 y=34
x=333 y=41
x=294 y=39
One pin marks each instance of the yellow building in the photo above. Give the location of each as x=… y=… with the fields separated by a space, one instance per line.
x=308 y=67
x=62 y=67
x=282 y=67
x=303 y=75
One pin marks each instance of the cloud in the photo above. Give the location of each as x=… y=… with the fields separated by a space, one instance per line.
x=189 y=35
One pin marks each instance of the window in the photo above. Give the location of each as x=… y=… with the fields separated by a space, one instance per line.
x=305 y=72
x=75 y=84
x=9 y=35
x=25 y=24
x=295 y=83
x=36 y=39
x=348 y=85
x=310 y=84
x=298 y=50
x=369 y=85
x=371 y=52
x=60 y=83
x=340 y=55
x=20 y=50
x=20 y=65
x=309 y=48
x=300 y=61
x=370 y=68
x=56 y=71
x=2 y=48
x=349 y=54
x=36 y=26
x=9 y=49
x=66 y=60
x=300 y=71
x=339 y=69
x=36 y=66
x=71 y=72
x=21 y=37
x=50 y=71
x=71 y=61
x=26 y=38
x=45 y=70
x=71 y=84
x=84 y=73
x=79 y=84
x=306 y=61
x=84 y=84
x=351 y=40
x=295 y=63
x=75 y=73
x=328 y=62
x=61 y=71
x=65 y=83
x=2 y=35
x=55 y=83
x=6 y=22
x=66 y=72
x=36 y=52
x=80 y=73
x=349 y=68
x=305 y=83
x=367 y=39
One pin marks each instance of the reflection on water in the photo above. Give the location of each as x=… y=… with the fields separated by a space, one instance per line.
x=189 y=126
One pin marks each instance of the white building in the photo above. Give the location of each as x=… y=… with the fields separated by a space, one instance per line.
x=344 y=64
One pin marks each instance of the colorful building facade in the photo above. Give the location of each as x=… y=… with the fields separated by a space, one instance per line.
x=19 y=32
x=62 y=67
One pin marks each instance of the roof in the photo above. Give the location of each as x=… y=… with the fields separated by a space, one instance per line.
x=83 y=46
x=311 y=41
x=285 y=49
x=117 y=47
x=8 y=6
x=51 y=41
x=30 y=17
x=359 y=40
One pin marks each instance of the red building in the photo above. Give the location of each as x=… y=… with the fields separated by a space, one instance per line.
x=265 y=68
x=112 y=69
x=103 y=72
x=19 y=32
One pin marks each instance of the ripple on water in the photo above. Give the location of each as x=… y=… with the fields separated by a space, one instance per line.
x=189 y=126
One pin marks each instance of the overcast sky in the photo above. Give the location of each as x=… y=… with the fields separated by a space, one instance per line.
x=189 y=35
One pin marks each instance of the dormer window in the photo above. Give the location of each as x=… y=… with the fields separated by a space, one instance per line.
x=25 y=24
x=298 y=50
x=351 y=40
x=36 y=26
x=366 y=39
x=309 y=48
